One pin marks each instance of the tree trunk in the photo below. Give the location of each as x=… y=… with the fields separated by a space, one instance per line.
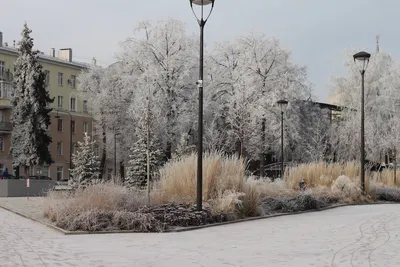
x=395 y=166
x=104 y=152
x=262 y=156
x=122 y=171
x=168 y=150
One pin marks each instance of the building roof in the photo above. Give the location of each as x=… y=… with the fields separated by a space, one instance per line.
x=46 y=58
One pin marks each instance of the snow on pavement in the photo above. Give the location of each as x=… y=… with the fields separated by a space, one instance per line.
x=349 y=236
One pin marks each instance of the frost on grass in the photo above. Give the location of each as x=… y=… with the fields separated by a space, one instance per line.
x=108 y=207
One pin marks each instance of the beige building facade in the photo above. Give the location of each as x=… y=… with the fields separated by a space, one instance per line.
x=70 y=115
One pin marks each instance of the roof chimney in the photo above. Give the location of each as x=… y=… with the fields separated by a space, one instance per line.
x=65 y=54
x=1 y=39
x=52 y=52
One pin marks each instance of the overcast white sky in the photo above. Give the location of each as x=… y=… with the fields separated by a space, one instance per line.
x=316 y=31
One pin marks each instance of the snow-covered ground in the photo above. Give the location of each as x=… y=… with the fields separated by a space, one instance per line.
x=349 y=236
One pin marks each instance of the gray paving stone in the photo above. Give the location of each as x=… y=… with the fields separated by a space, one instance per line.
x=351 y=236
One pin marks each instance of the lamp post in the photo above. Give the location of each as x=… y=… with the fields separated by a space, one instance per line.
x=362 y=59
x=202 y=20
x=70 y=141
x=282 y=104
x=115 y=152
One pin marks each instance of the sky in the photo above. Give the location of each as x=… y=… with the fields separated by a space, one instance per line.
x=317 y=32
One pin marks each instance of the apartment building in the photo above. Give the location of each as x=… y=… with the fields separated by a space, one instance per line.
x=70 y=115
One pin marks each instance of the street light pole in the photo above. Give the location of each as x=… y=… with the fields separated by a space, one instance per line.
x=362 y=134
x=282 y=104
x=282 y=166
x=115 y=153
x=202 y=22
x=362 y=58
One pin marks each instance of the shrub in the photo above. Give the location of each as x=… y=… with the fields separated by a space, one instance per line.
x=388 y=194
x=301 y=202
x=98 y=198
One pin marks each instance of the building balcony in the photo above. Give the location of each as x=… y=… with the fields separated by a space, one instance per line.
x=5 y=94
x=5 y=127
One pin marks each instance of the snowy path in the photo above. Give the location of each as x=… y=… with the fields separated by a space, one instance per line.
x=344 y=237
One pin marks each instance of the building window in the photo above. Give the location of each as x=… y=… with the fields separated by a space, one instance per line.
x=59 y=125
x=59 y=173
x=85 y=106
x=59 y=148
x=73 y=148
x=73 y=81
x=59 y=101
x=60 y=78
x=1 y=143
x=47 y=77
x=1 y=116
x=73 y=104
x=73 y=126
x=86 y=127
x=2 y=70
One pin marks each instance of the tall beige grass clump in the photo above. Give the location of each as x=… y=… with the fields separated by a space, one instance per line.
x=321 y=174
x=178 y=178
x=386 y=178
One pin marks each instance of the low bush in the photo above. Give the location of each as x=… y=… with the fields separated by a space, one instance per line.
x=388 y=194
x=300 y=202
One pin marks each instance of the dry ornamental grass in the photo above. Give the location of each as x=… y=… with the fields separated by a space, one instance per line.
x=227 y=194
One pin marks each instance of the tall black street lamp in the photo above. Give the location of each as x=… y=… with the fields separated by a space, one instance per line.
x=282 y=104
x=70 y=141
x=202 y=20
x=362 y=59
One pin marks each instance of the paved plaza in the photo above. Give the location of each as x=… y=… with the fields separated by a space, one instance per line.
x=346 y=237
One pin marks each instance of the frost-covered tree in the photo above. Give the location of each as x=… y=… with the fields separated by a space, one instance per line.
x=30 y=112
x=249 y=75
x=183 y=148
x=314 y=132
x=90 y=81
x=381 y=91
x=146 y=153
x=86 y=165
x=166 y=53
x=137 y=166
